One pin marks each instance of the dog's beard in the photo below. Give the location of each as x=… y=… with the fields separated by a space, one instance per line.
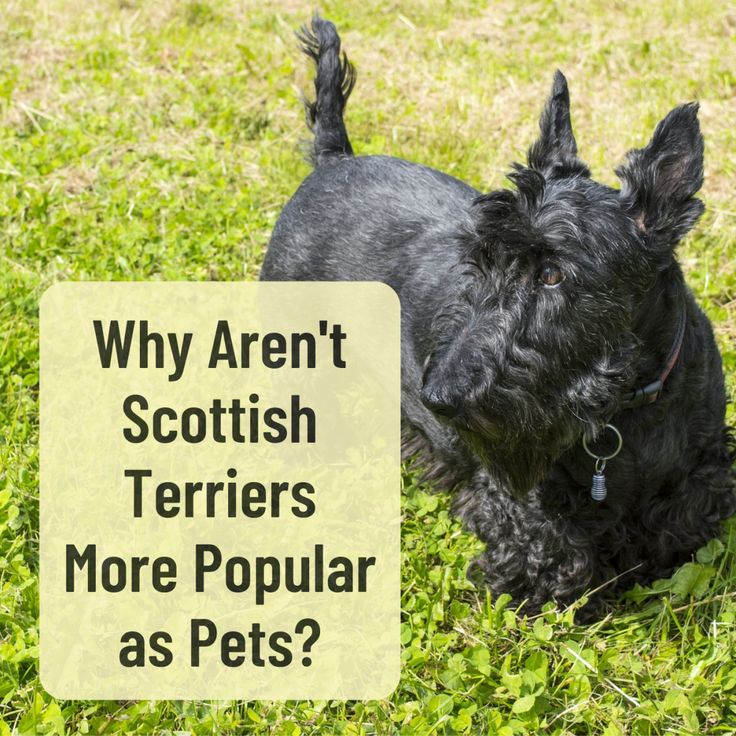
x=520 y=461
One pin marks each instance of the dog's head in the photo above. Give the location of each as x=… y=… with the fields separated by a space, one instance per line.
x=543 y=336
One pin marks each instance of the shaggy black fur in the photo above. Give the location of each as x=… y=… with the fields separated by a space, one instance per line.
x=527 y=316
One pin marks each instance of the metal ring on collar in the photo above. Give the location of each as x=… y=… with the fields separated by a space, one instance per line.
x=614 y=453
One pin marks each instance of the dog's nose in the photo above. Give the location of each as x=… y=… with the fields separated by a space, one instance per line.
x=440 y=403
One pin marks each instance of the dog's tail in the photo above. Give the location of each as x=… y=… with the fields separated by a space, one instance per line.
x=333 y=84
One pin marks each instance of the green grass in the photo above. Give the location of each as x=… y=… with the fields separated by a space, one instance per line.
x=159 y=141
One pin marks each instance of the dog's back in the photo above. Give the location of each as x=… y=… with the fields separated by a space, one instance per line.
x=368 y=208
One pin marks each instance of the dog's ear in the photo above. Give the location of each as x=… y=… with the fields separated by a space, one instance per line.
x=554 y=154
x=660 y=181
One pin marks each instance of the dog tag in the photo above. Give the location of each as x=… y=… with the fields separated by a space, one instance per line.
x=598 y=489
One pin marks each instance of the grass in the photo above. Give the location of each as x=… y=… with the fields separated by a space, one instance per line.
x=159 y=141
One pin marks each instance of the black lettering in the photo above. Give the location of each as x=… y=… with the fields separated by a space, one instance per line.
x=300 y=493
x=157 y=641
x=128 y=405
x=114 y=341
x=200 y=567
x=137 y=476
x=134 y=653
x=88 y=557
x=203 y=634
x=222 y=334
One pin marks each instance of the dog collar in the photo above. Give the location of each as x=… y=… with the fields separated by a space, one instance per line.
x=651 y=392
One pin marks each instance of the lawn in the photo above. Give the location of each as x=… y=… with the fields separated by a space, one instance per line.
x=158 y=141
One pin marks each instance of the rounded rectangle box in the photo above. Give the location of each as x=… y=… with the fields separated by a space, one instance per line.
x=220 y=490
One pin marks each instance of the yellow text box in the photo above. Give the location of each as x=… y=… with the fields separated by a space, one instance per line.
x=220 y=490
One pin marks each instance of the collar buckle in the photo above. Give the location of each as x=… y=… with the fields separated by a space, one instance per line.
x=650 y=393
x=644 y=395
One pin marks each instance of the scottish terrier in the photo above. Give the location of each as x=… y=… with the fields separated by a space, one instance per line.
x=556 y=371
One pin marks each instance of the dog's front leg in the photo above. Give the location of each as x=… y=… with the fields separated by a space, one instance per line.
x=531 y=554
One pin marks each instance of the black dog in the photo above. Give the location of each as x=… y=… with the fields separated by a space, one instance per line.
x=533 y=319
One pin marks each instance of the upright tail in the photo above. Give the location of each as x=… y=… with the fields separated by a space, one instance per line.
x=333 y=84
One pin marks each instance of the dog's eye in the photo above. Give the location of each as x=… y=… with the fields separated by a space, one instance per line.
x=550 y=274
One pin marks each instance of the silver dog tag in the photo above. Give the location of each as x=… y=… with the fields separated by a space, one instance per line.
x=598 y=489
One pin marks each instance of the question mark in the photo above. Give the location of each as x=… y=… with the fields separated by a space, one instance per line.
x=311 y=639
